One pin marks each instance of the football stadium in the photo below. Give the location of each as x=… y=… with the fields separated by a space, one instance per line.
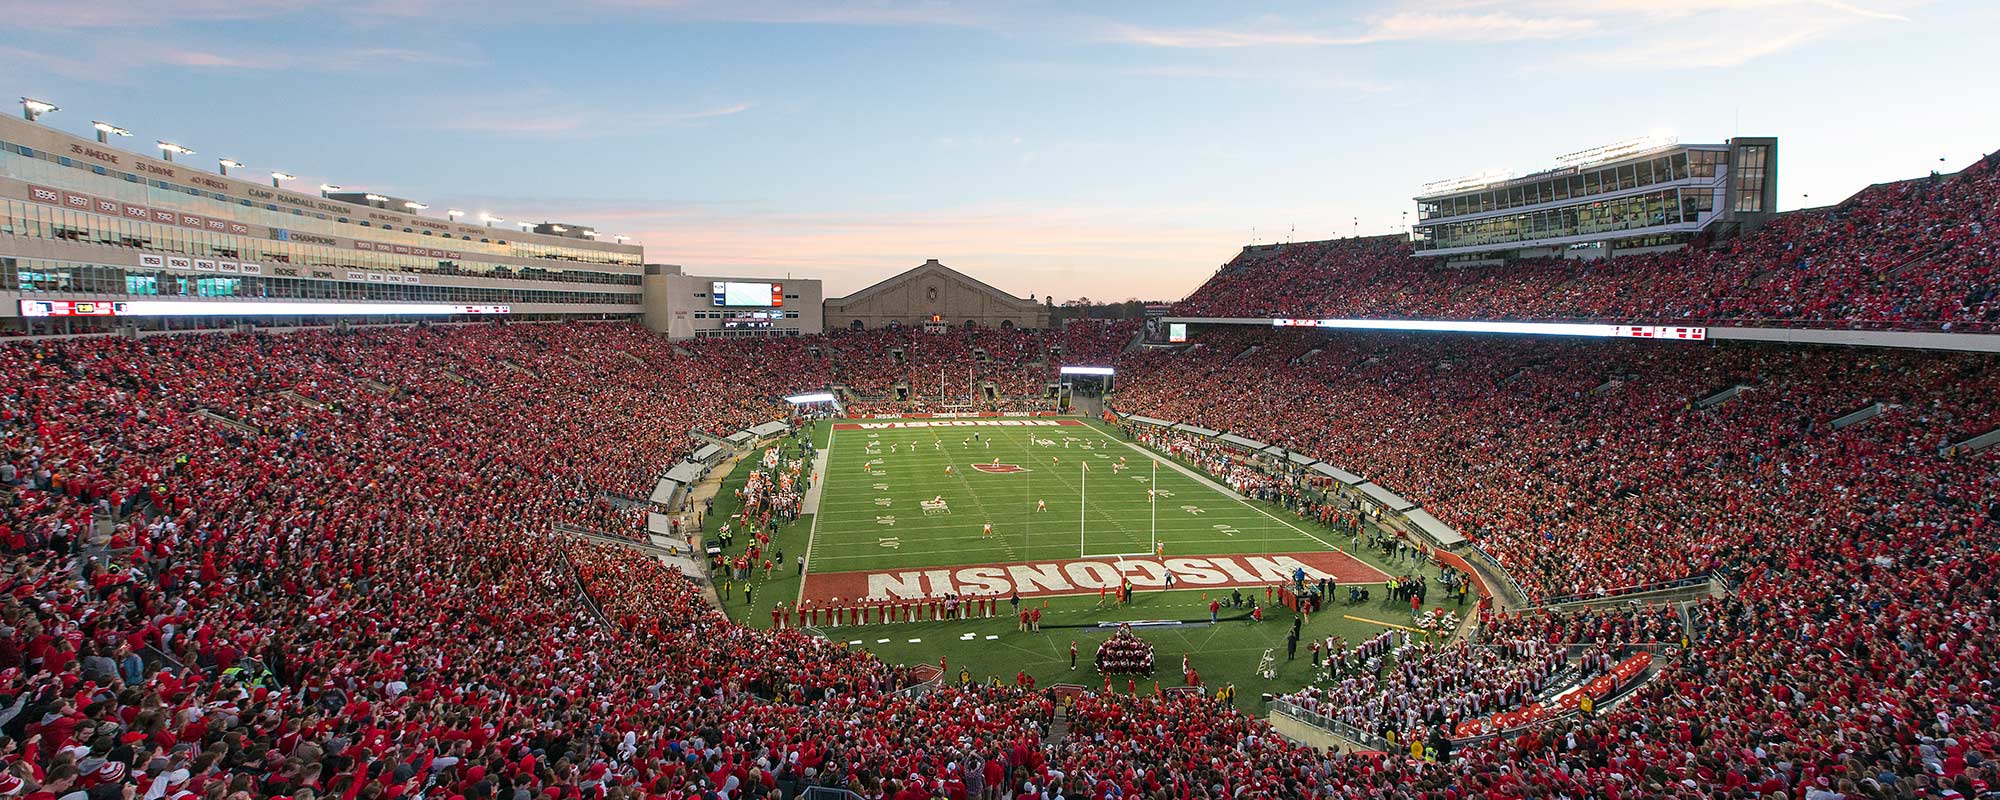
x=1626 y=473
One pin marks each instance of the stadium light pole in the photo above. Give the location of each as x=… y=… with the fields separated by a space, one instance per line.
x=168 y=150
x=281 y=175
x=223 y=165
x=327 y=188
x=106 y=130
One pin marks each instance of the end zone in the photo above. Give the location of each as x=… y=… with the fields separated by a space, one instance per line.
x=1084 y=576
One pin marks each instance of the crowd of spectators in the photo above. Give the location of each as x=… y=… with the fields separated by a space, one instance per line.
x=1560 y=458
x=322 y=564
x=1917 y=254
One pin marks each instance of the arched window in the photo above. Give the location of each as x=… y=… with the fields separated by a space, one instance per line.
x=1006 y=324
x=855 y=325
x=970 y=324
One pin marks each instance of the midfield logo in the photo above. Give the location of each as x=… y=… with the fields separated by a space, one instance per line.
x=1000 y=469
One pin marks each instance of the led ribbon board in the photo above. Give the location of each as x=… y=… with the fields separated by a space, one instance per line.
x=200 y=308
x=1537 y=328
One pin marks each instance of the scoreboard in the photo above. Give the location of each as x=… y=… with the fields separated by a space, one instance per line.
x=734 y=294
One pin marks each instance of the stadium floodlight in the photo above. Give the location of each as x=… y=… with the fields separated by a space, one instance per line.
x=591 y=234
x=328 y=187
x=224 y=164
x=454 y=213
x=168 y=150
x=414 y=205
x=558 y=229
x=106 y=130
x=525 y=225
x=489 y=219
x=32 y=109
x=281 y=175
x=375 y=197
x=621 y=238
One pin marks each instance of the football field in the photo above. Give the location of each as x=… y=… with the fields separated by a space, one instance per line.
x=891 y=527
x=906 y=507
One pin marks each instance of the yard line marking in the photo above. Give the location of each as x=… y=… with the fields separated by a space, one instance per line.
x=881 y=641
x=1177 y=467
x=1381 y=623
x=912 y=641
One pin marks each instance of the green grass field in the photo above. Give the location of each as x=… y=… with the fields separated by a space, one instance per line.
x=1106 y=512
x=870 y=515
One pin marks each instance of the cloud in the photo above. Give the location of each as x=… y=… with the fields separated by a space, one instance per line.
x=30 y=61
x=1155 y=252
x=1612 y=34
x=542 y=115
x=1706 y=34
x=126 y=52
x=1494 y=26
x=69 y=14
x=925 y=13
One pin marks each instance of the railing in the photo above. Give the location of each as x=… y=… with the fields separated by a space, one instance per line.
x=1331 y=725
x=1498 y=568
x=576 y=580
x=827 y=793
x=1623 y=591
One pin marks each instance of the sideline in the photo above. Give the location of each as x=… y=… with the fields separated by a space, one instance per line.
x=826 y=476
x=1228 y=492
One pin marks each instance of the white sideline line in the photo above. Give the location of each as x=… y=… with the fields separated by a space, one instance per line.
x=1231 y=493
x=826 y=477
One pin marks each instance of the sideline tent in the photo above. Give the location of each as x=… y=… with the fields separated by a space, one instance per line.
x=1241 y=443
x=686 y=473
x=663 y=491
x=1439 y=532
x=1338 y=474
x=1385 y=498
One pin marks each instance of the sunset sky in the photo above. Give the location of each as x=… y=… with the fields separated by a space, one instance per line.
x=1104 y=149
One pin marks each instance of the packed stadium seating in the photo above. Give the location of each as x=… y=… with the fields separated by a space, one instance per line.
x=1920 y=254
x=320 y=564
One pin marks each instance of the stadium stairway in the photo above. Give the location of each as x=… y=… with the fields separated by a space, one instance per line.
x=1711 y=588
x=1058 y=728
x=302 y=400
x=228 y=421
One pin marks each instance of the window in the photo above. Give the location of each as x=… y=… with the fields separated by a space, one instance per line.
x=1748 y=179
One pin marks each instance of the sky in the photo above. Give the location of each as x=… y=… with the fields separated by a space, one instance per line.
x=1107 y=150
